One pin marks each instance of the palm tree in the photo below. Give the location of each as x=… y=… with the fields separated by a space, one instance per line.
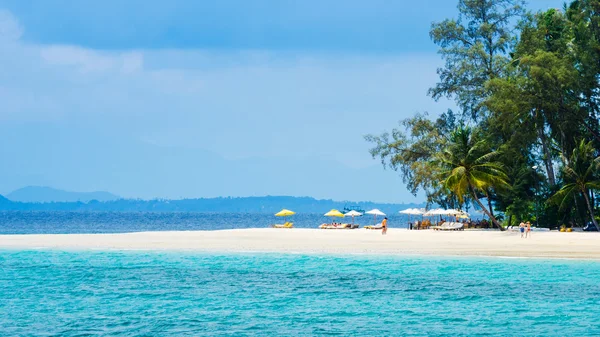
x=581 y=173
x=468 y=168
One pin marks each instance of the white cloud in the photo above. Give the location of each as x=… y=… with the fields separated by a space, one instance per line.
x=10 y=29
x=90 y=61
x=132 y=62
x=85 y=60
x=236 y=103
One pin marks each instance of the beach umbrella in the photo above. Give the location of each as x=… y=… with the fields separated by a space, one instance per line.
x=457 y=213
x=411 y=211
x=419 y=211
x=285 y=213
x=353 y=213
x=334 y=213
x=375 y=213
x=437 y=211
x=452 y=212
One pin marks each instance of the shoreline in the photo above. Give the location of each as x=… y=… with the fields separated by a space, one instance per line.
x=398 y=242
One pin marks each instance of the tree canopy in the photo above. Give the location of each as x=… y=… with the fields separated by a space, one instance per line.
x=527 y=88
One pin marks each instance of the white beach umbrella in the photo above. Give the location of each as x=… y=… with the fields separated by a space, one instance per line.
x=375 y=212
x=454 y=212
x=353 y=213
x=412 y=211
x=437 y=211
x=457 y=213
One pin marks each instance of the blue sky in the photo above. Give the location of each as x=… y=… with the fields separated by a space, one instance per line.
x=96 y=94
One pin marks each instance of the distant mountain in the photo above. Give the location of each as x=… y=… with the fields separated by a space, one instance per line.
x=48 y=194
x=268 y=204
x=4 y=201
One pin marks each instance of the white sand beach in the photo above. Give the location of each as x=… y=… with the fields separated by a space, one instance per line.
x=314 y=241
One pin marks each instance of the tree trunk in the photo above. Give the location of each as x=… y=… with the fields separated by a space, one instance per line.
x=494 y=221
x=591 y=209
x=489 y=200
x=547 y=156
x=578 y=214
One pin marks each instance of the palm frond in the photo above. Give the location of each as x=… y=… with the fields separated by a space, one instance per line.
x=564 y=195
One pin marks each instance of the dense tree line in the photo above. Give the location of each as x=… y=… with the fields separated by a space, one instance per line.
x=524 y=143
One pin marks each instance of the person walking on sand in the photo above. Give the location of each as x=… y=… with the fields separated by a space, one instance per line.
x=528 y=230
x=384 y=226
x=522 y=229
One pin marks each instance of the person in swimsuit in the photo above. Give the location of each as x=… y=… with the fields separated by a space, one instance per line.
x=522 y=229
x=384 y=226
x=528 y=229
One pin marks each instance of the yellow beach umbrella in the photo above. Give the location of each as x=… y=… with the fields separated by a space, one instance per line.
x=335 y=212
x=285 y=212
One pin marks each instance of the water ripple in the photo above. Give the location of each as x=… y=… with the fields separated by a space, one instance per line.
x=51 y=293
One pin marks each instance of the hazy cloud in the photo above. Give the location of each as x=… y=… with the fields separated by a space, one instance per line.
x=10 y=29
x=240 y=104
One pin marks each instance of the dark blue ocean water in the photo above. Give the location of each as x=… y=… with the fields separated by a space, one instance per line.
x=53 y=293
x=17 y=222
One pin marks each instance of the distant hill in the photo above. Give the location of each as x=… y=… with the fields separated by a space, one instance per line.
x=268 y=204
x=3 y=200
x=48 y=194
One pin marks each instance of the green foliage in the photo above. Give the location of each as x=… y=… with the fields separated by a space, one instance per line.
x=411 y=149
x=581 y=174
x=475 y=48
x=468 y=168
x=584 y=19
x=529 y=84
x=521 y=200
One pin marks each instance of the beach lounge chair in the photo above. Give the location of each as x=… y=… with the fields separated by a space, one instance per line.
x=458 y=226
x=285 y=225
x=449 y=226
x=336 y=226
x=377 y=226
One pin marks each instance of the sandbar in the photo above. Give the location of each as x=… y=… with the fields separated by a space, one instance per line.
x=573 y=245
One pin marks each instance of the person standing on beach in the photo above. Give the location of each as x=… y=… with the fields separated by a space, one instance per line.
x=528 y=230
x=522 y=228
x=384 y=226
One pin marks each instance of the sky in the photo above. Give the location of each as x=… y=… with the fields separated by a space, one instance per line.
x=185 y=98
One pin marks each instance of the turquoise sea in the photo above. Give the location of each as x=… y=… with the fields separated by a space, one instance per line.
x=135 y=293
